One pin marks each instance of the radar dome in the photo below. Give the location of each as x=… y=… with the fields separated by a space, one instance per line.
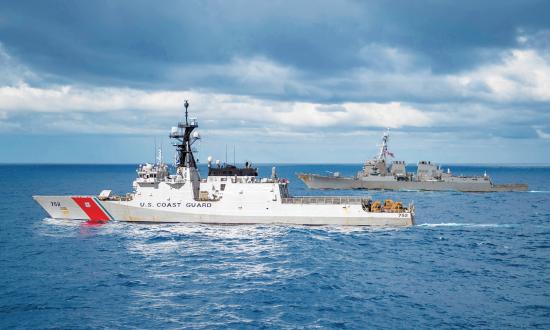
x=196 y=135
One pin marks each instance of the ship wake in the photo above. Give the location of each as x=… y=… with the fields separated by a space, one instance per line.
x=467 y=225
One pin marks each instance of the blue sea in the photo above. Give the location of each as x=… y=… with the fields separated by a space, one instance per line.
x=472 y=261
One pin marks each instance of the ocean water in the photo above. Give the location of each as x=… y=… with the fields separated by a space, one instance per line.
x=473 y=261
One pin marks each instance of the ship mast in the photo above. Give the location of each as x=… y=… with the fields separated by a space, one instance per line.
x=184 y=140
x=384 y=146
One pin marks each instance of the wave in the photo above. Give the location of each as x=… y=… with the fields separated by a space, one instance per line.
x=539 y=191
x=470 y=225
x=64 y=222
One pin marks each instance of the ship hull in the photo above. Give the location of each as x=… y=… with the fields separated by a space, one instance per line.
x=314 y=181
x=91 y=208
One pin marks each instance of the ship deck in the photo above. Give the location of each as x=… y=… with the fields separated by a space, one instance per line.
x=323 y=200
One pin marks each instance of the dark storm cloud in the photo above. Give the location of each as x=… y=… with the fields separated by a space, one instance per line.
x=139 y=42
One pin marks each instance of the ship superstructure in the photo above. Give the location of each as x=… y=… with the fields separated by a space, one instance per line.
x=379 y=174
x=228 y=195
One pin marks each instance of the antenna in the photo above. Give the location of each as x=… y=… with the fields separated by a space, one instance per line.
x=184 y=140
x=384 y=147
x=186 y=105
x=234 y=163
x=159 y=156
x=226 y=153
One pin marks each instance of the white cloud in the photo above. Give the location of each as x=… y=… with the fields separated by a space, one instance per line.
x=542 y=134
x=516 y=75
x=392 y=115
x=472 y=98
x=522 y=75
x=69 y=100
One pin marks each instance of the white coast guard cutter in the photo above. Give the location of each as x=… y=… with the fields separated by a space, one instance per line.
x=229 y=195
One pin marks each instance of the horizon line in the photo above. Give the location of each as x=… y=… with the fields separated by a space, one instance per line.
x=283 y=163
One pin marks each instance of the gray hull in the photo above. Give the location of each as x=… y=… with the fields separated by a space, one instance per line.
x=315 y=181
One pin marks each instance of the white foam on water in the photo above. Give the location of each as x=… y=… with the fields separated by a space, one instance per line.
x=63 y=222
x=469 y=225
x=539 y=191
x=253 y=239
x=336 y=229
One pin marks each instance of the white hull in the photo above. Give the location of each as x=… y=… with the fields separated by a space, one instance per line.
x=65 y=207
x=227 y=196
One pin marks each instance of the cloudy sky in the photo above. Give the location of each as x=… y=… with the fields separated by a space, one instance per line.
x=282 y=81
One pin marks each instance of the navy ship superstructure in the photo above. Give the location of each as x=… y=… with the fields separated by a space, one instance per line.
x=379 y=174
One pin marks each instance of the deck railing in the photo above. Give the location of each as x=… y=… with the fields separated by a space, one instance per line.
x=323 y=200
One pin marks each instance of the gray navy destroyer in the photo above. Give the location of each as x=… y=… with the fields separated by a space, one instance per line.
x=379 y=174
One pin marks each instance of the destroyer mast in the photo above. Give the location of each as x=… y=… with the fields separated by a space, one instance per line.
x=384 y=147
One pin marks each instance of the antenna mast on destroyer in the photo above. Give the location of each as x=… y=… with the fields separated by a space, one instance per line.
x=384 y=147
x=182 y=133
